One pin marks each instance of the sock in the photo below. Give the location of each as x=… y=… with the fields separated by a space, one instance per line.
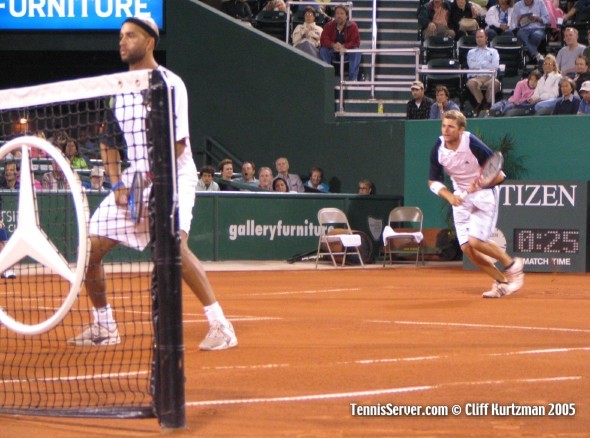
x=103 y=316
x=214 y=312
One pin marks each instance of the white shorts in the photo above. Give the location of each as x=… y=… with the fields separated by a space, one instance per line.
x=114 y=221
x=477 y=216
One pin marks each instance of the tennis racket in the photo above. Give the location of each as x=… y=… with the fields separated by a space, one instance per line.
x=136 y=197
x=488 y=173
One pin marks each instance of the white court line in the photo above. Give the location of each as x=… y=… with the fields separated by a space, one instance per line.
x=296 y=292
x=456 y=324
x=75 y=378
x=546 y=351
x=241 y=319
x=375 y=392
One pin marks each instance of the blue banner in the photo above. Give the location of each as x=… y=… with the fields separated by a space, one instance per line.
x=76 y=14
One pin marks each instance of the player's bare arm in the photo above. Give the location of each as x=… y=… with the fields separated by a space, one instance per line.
x=112 y=165
x=445 y=193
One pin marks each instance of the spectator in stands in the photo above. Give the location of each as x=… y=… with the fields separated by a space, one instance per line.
x=518 y=103
x=248 y=174
x=419 y=106
x=568 y=103
x=38 y=153
x=10 y=179
x=582 y=72
x=499 y=19
x=566 y=57
x=339 y=35
x=530 y=18
x=482 y=57
x=226 y=168
x=265 y=178
x=587 y=49
x=547 y=91
x=71 y=152
x=579 y=12
x=279 y=185
x=442 y=104
x=239 y=9
x=54 y=180
x=306 y=36
x=314 y=184
x=462 y=18
x=206 y=183
x=294 y=183
x=275 y=5
x=584 y=107
x=433 y=18
x=366 y=187
x=86 y=146
x=554 y=13
x=97 y=178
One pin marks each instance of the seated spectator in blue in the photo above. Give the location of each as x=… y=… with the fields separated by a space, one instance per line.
x=547 y=91
x=567 y=55
x=584 y=107
x=279 y=185
x=530 y=18
x=314 y=184
x=206 y=183
x=569 y=103
x=248 y=174
x=339 y=35
x=418 y=108
x=306 y=36
x=518 y=103
x=294 y=183
x=442 y=103
x=499 y=19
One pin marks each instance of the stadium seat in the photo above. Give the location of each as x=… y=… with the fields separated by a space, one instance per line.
x=273 y=23
x=436 y=47
x=464 y=45
x=453 y=82
x=511 y=53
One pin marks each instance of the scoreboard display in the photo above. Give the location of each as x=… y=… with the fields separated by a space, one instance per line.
x=545 y=223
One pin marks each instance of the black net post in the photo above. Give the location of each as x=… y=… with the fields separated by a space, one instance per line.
x=168 y=375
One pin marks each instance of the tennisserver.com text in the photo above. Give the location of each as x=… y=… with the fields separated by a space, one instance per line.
x=468 y=409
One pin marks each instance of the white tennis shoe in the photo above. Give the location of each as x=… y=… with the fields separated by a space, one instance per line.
x=220 y=337
x=97 y=334
x=515 y=275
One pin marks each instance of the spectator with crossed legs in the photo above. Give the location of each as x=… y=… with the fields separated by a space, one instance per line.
x=461 y=154
x=111 y=223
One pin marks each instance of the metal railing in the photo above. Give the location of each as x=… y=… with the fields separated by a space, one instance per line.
x=481 y=72
x=372 y=83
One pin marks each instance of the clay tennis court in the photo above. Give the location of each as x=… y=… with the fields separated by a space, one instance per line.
x=313 y=342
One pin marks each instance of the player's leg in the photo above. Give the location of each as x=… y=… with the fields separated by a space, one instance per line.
x=221 y=333
x=482 y=223
x=103 y=330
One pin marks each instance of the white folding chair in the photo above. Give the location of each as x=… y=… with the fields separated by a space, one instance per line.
x=334 y=216
x=401 y=217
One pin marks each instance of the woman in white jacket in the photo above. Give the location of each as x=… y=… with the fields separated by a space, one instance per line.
x=499 y=19
x=306 y=36
x=548 y=85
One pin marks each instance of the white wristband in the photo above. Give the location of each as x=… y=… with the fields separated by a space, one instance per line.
x=436 y=186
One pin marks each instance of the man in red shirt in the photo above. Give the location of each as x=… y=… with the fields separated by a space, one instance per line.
x=339 y=35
